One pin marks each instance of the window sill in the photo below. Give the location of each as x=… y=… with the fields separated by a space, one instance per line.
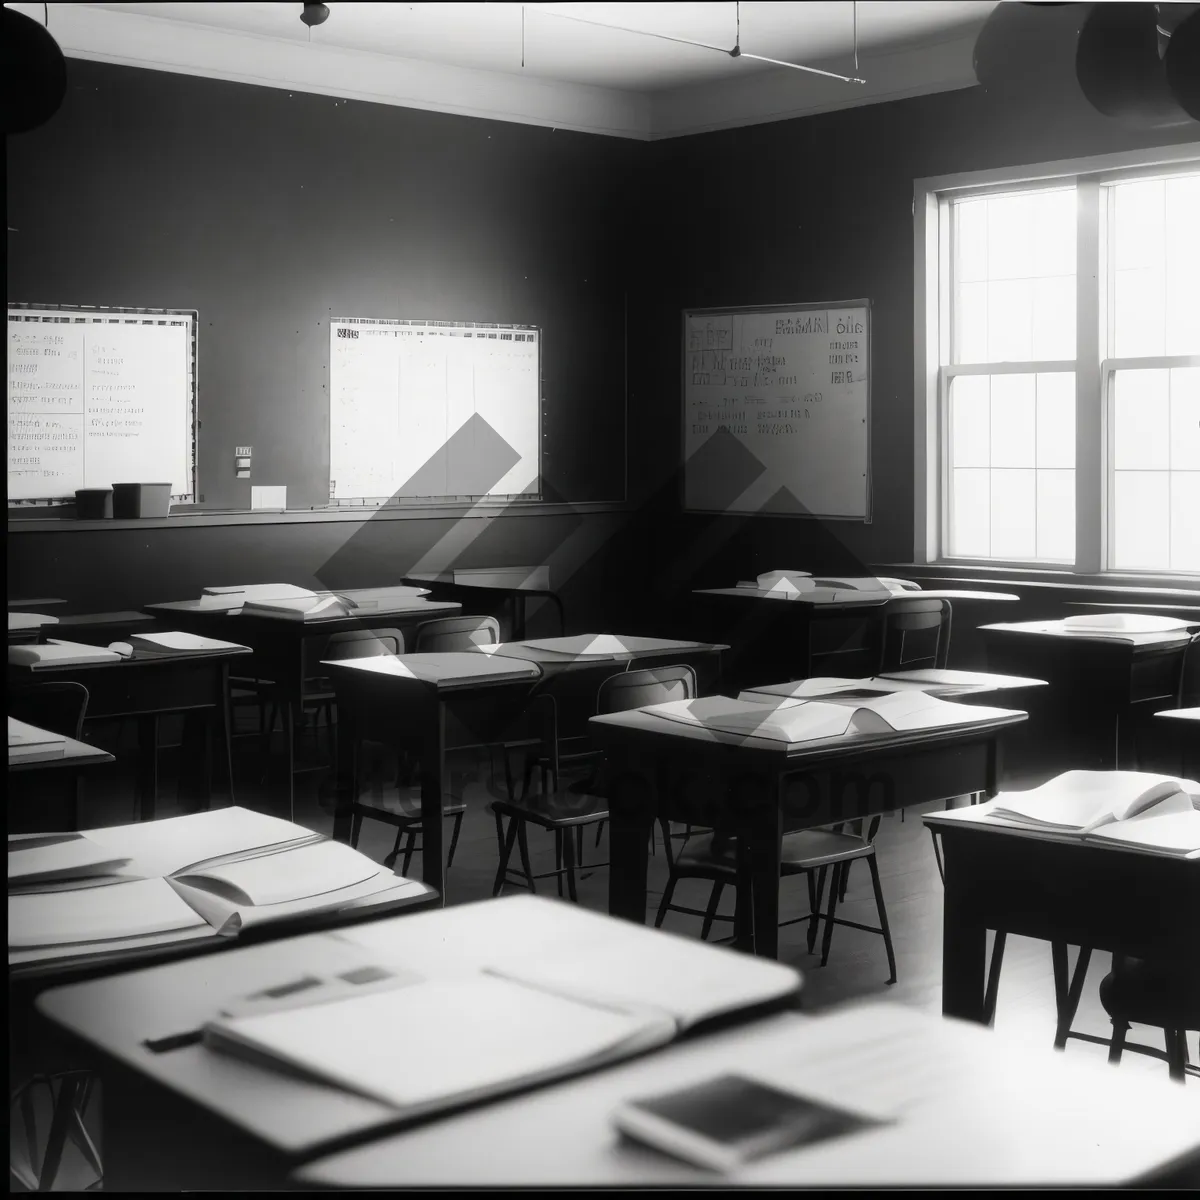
x=1186 y=586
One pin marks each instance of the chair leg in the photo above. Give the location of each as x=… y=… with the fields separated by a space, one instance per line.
x=505 y=845
x=558 y=859
x=1070 y=1005
x=879 y=904
x=356 y=821
x=523 y=846
x=937 y=854
x=458 y=820
x=394 y=853
x=1117 y=1045
x=814 y=917
x=834 y=888
x=665 y=904
x=845 y=878
x=816 y=898
x=599 y=831
x=569 y=862
x=579 y=846
x=410 y=848
x=711 y=911
x=1176 y=1054
x=993 y=981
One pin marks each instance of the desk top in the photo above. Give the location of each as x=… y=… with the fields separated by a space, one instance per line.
x=960 y=1105
x=78 y=754
x=1180 y=714
x=34 y=603
x=614 y=961
x=639 y=724
x=1066 y=635
x=153 y=661
x=597 y=648
x=446 y=671
x=508 y=579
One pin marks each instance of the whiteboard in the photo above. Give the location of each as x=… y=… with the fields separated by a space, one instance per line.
x=97 y=397
x=776 y=410
x=433 y=409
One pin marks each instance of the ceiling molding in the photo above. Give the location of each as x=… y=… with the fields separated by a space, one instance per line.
x=129 y=39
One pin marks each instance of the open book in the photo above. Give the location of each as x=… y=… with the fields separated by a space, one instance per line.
x=1079 y=803
x=456 y=666
x=785 y=581
x=125 y=886
x=567 y=989
x=53 y=856
x=759 y=717
x=314 y=608
x=28 y=743
x=57 y=653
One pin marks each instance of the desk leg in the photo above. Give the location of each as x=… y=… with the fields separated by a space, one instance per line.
x=195 y=760
x=759 y=835
x=632 y=807
x=147 y=735
x=964 y=949
x=518 y=610
x=290 y=708
x=227 y=728
x=433 y=771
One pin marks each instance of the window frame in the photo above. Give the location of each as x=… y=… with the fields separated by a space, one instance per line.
x=1093 y=367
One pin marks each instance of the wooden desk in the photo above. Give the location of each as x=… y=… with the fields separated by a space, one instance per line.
x=518 y=587
x=975 y=1109
x=668 y=769
x=944 y=684
x=1057 y=890
x=1095 y=674
x=279 y=646
x=784 y=623
x=44 y=793
x=471 y=711
x=148 y=689
x=191 y=1118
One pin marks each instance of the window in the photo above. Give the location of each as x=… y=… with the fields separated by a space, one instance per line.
x=1061 y=367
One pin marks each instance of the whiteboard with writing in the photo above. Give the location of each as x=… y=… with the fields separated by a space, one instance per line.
x=97 y=397
x=433 y=409
x=776 y=410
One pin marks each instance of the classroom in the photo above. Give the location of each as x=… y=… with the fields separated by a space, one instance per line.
x=499 y=492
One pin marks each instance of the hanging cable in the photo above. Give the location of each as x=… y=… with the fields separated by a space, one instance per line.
x=856 y=35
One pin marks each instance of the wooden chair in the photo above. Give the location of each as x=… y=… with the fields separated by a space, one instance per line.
x=1165 y=995
x=402 y=808
x=915 y=633
x=565 y=811
x=808 y=852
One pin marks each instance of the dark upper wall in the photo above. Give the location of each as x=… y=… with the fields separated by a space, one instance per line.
x=821 y=208
x=269 y=211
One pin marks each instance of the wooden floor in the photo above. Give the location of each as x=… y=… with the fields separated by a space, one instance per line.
x=857 y=967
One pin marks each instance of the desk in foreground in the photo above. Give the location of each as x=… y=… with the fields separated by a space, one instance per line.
x=661 y=768
x=967 y=1108
x=1057 y=889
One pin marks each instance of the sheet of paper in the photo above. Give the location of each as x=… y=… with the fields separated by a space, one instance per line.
x=75 y=857
x=262 y=591
x=1076 y=799
x=132 y=909
x=183 y=643
x=56 y=652
x=785 y=721
x=168 y=845
x=21 y=734
x=268 y=497
x=23 y=620
x=439 y=667
x=359 y=1043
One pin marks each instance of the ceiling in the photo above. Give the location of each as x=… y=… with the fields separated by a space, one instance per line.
x=533 y=63
x=488 y=37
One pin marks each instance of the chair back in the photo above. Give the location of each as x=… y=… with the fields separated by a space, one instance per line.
x=353 y=643
x=56 y=707
x=650 y=685
x=456 y=633
x=915 y=633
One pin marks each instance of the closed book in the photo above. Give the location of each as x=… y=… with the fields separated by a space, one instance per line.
x=56 y=653
x=28 y=742
x=167 y=643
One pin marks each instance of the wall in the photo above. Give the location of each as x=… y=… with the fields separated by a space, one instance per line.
x=821 y=209
x=269 y=212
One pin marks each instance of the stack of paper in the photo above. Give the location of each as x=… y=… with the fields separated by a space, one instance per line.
x=314 y=608
x=28 y=743
x=167 y=643
x=1117 y=623
x=57 y=653
x=1131 y=808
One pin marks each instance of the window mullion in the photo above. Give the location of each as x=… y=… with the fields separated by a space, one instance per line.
x=1091 y=346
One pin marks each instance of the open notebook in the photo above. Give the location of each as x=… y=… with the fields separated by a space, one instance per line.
x=1132 y=808
x=761 y=718
x=504 y=993
x=204 y=874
